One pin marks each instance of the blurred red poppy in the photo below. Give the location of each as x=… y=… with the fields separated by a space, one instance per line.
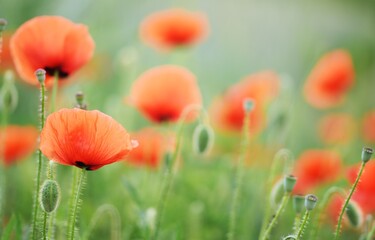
x=368 y=127
x=365 y=193
x=227 y=111
x=173 y=28
x=338 y=128
x=6 y=58
x=330 y=80
x=17 y=142
x=53 y=43
x=162 y=93
x=316 y=167
x=85 y=139
x=152 y=147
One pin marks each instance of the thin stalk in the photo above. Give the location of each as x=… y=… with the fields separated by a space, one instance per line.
x=72 y=193
x=71 y=228
x=45 y=216
x=371 y=233
x=319 y=217
x=39 y=164
x=338 y=227
x=282 y=206
x=296 y=224
x=239 y=176
x=303 y=224
x=4 y=123
x=168 y=175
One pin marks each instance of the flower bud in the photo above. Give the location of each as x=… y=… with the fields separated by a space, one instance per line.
x=8 y=92
x=354 y=214
x=298 y=203
x=277 y=193
x=49 y=196
x=40 y=75
x=289 y=183
x=310 y=202
x=203 y=139
x=248 y=105
x=290 y=237
x=366 y=154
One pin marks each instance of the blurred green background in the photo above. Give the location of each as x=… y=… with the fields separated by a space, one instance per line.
x=245 y=37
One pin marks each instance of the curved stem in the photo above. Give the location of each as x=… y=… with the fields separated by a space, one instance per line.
x=39 y=164
x=338 y=227
x=303 y=224
x=71 y=228
x=168 y=175
x=282 y=206
x=239 y=175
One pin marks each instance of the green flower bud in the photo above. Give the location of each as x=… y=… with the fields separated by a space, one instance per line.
x=289 y=183
x=203 y=139
x=277 y=193
x=310 y=202
x=298 y=203
x=354 y=214
x=366 y=154
x=8 y=92
x=49 y=196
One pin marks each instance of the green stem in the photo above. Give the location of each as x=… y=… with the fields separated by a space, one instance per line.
x=282 y=206
x=371 y=233
x=296 y=224
x=71 y=228
x=303 y=224
x=319 y=217
x=168 y=175
x=4 y=123
x=338 y=227
x=45 y=216
x=239 y=175
x=39 y=164
x=54 y=91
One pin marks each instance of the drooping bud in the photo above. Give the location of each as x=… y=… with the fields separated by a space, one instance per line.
x=40 y=75
x=354 y=214
x=49 y=196
x=290 y=237
x=248 y=105
x=8 y=92
x=168 y=159
x=310 y=202
x=3 y=24
x=366 y=154
x=203 y=139
x=289 y=183
x=298 y=203
x=277 y=193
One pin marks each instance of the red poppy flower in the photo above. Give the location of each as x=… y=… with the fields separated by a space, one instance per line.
x=53 y=43
x=368 y=127
x=330 y=80
x=85 y=139
x=162 y=93
x=227 y=111
x=336 y=128
x=316 y=167
x=365 y=192
x=173 y=28
x=17 y=142
x=152 y=147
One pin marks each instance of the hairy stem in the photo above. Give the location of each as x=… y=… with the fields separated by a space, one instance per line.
x=302 y=227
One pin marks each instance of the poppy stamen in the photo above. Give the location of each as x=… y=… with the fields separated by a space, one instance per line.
x=52 y=70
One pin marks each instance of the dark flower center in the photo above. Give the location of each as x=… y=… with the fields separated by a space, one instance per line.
x=83 y=165
x=52 y=70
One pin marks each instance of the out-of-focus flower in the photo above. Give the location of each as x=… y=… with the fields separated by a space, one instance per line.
x=368 y=127
x=316 y=167
x=6 y=58
x=172 y=28
x=330 y=80
x=85 y=139
x=152 y=147
x=53 y=43
x=17 y=142
x=365 y=192
x=336 y=128
x=227 y=111
x=162 y=93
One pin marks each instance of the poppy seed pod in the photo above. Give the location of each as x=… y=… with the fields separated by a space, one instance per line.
x=289 y=183
x=49 y=196
x=248 y=104
x=203 y=139
x=298 y=203
x=366 y=154
x=310 y=202
x=40 y=75
x=3 y=24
